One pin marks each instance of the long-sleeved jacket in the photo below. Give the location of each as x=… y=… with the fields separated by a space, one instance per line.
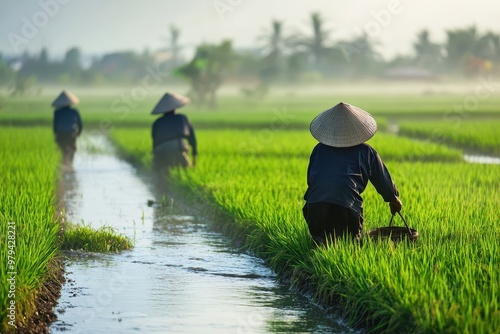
x=340 y=175
x=67 y=121
x=173 y=126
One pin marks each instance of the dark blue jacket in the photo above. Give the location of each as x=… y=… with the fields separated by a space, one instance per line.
x=173 y=126
x=67 y=121
x=339 y=176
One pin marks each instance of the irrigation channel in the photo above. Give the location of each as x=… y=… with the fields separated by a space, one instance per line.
x=181 y=276
x=469 y=156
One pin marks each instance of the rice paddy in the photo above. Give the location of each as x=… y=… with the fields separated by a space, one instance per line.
x=480 y=136
x=446 y=282
x=252 y=166
x=28 y=162
x=30 y=226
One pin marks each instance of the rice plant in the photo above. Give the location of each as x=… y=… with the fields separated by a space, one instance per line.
x=481 y=136
x=28 y=164
x=446 y=282
x=84 y=237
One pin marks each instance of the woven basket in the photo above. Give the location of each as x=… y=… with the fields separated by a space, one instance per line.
x=395 y=233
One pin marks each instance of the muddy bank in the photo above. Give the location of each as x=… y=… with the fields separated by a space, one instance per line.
x=45 y=301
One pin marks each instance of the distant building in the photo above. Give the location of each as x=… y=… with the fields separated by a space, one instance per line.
x=15 y=64
x=161 y=56
x=409 y=73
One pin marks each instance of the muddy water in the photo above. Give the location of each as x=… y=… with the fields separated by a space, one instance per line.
x=181 y=277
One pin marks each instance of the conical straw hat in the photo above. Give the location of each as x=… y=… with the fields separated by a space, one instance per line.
x=170 y=102
x=66 y=98
x=343 y=125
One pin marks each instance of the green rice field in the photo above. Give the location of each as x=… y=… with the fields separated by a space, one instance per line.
x=252 y=167
x=29 y=230
x=404 y=288
x=481 y=136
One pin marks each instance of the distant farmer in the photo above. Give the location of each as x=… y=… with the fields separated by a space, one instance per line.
x=170 y=133
x=339 y=169
x=67 y=124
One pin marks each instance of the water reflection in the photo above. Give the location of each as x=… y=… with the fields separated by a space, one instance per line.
x=482 y=159
x=180 y=277
x=68 y=189
x=232 y=283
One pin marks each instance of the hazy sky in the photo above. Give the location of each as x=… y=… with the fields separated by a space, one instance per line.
x=99 y=26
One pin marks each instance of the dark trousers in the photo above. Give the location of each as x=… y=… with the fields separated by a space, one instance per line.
x=162 y=161
x=172 y=153
x=67 y=145
x=331 y=221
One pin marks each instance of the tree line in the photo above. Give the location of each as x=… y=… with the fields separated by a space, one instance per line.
x=280 y=57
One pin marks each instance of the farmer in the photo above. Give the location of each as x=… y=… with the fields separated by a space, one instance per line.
x=339 y=169
x=169 y=134
x=67 y=124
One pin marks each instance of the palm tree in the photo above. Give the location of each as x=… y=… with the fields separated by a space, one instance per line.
x=316 y=44
x=489 y=46
x=274 y=42
x=274 y=46
x=320 y=37
x=174 y=46
x=460 y=44
x=428 y=54
x=361 y=55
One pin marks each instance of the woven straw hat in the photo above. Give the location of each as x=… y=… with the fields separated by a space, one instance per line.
x=66 y=98
x=170 y=102
x=343 y=125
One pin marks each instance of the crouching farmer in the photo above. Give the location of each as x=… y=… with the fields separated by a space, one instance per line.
x=67 y=125
x=339 y=169
x=170 y=133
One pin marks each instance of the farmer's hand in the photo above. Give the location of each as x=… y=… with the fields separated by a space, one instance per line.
x=395 y=206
